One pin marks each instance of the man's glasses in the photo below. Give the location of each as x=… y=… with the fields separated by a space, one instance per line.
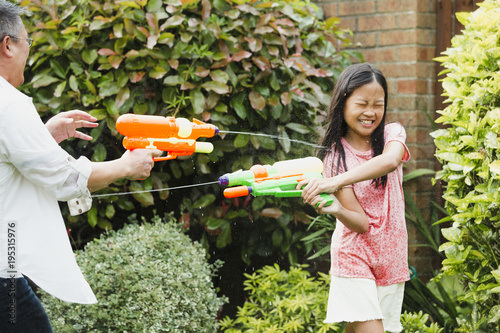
x=29 y=40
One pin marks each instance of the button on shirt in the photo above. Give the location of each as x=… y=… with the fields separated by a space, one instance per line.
x=36 y=173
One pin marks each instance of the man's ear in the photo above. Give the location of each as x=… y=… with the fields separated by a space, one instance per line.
x=6 y=47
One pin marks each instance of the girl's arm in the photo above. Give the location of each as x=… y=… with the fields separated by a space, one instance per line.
x=346 y=209
x=376 y=167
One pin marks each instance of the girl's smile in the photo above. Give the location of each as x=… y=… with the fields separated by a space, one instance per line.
x=363 y=112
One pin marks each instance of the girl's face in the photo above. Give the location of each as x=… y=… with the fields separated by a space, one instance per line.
x=363 y=112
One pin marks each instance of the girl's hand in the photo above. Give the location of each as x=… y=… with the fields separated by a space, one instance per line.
x=333 y=209
x=63 y=125
x=315 y=186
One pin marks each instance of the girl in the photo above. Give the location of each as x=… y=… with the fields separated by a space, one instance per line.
x=363 y=170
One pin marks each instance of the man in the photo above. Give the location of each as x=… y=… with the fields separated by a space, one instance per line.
x=35 y=173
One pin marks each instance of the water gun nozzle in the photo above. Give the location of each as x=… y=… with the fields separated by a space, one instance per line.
x=224 y=180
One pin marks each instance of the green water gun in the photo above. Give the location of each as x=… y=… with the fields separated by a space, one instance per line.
x=279 y=180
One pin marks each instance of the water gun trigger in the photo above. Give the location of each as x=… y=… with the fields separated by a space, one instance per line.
x=164 y=158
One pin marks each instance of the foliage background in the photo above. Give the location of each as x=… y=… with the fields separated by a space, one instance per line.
x=252 y=66
x=468 y=148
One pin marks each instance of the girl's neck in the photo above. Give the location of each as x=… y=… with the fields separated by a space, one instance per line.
x=359 y=143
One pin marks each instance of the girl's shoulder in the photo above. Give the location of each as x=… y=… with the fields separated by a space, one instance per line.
x=394 y=129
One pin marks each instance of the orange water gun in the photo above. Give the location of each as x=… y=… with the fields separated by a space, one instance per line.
x=177 y=136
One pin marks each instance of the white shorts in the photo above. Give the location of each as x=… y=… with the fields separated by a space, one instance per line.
x=357 y=299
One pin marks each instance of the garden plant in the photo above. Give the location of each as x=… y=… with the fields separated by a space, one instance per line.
x=283 y=301
x=147 y=277
x=469 y=149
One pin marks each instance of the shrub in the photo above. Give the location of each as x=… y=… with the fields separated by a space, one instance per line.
x=147 y=278
x=417 y=323
x=469 y=150
x=282 y=302
x=253 y=66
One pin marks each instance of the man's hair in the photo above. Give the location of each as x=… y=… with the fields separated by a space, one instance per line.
x=10 y=19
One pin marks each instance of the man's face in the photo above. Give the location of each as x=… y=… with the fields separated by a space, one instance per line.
x=21 y=50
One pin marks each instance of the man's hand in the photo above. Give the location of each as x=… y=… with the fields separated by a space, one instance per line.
x=139 y=162
x=64 y=125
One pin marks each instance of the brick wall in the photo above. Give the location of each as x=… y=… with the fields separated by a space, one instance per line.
x=399 y=37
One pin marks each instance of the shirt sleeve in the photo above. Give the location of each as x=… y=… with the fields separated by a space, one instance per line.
x=27 y=144
x=396 y=132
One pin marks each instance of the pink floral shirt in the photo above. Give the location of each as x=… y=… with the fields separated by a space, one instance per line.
x=381 y=253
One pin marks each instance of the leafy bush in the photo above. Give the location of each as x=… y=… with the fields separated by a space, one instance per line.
x=293 y=301
x=281 y=301
x=417 y=323
x=469 y=149
x=253 y=66
x=147 y=278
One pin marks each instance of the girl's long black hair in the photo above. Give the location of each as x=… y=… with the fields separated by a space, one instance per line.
x=352 y=78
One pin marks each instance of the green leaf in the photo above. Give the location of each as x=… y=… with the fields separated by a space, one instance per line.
x=463 y=17
x=238 y=104
x=99 y=153
x=198 y=100
x=302 y=129
x=58 y=69
x=141 y=195
x=89 y=56
x=154 y=5
x=224 y=238
x=73 y=83
x=241 y=140
x=217 y=87
x=44 y=81
x=108 y=89
x=267 y=142
x=204 y=201
x=172 y=80
x=451 y=234
x=157 y=72
x=92 y=216
x=277 y=237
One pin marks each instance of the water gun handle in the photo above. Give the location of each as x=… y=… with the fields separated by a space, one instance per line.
x=328 y=198
x=237 y=191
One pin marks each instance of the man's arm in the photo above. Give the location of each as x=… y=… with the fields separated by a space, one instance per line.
x=135 y=164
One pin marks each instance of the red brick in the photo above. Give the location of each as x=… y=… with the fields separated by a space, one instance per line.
x=426 y=20
x=397 y=70
x=330 y=10
x=378 y=55
x=413 y=86
x=396 y=5
x=398 y=37
x=426 y=37
x=406 y=20
x=407 y=53
x=425 y=6
x=376 y=22
x=426 y=70
x=402 y=102
x=351 y=8
x=349 y=23
x=366 y=39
